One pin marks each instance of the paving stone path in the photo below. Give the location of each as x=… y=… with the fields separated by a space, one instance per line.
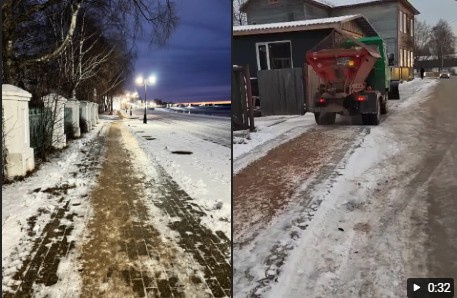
x=124 y=254
x=40 y=267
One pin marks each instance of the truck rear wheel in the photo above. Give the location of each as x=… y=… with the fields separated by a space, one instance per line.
x=384 y=105
x=325 y=118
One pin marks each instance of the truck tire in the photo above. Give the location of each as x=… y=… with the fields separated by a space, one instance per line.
x=325 y=118
x=385 y=105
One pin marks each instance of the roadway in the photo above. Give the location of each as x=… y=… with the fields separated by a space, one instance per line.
x=207 y=128
x=353 y=211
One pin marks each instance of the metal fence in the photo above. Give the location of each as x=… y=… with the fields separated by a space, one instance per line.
x=281 y=91
x=68 y=127
x=41 y=122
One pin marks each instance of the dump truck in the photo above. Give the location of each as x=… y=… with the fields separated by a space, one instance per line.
x=354 y=78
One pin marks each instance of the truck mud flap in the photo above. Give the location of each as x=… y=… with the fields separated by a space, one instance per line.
x=394 y=92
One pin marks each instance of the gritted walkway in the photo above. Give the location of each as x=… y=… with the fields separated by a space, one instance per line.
x=123 y=252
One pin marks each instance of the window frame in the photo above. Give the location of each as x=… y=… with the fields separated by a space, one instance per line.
x=412 y=27
x=266 y=43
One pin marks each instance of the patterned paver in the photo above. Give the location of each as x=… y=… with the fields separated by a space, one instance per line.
x=124 y=254
x=40 y=267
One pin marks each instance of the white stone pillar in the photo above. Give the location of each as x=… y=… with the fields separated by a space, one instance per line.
x=96 y=113
x=19 y=159
x=93 y=108
x=73 y=104
x=85 y=113
x=57 y=103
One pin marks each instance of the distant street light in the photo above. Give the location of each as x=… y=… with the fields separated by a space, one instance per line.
x=144 y=82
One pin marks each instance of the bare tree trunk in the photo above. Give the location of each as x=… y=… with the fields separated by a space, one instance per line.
x=9 y=66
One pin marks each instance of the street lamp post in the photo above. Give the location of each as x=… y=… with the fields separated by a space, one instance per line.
x=144 y=82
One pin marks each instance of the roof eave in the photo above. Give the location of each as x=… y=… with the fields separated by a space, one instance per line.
x=415 y=11
x=288 y=29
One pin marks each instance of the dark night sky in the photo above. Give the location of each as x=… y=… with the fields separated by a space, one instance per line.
x=195 y=63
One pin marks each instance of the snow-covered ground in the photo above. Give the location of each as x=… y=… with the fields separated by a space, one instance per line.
x=205 y=174
x=39 y=195
x=28 y=206
x=309 y=269
x=272 y=131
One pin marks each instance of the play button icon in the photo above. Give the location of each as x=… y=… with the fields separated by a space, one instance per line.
x=430 y=287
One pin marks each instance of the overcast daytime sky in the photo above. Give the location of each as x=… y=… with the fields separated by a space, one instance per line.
x=195 y=64
x=432 y=11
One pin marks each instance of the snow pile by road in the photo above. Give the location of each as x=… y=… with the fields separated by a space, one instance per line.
x=201 y=168
x=412 y=92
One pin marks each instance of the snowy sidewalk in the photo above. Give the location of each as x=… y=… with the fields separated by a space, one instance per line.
x=140 y=236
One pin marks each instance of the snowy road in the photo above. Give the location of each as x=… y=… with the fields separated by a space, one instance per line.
x=363 y=209
x=207 y=128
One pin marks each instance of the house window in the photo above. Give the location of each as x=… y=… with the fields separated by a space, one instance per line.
x=262 y=57
x=412 y=27
x=405 y=52
x=412 y=58
x=401 y=21
x=401 y=57
x=404 y=23
x=274 y=55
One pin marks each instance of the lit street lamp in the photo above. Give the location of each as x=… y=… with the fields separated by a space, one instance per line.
x=144 y=82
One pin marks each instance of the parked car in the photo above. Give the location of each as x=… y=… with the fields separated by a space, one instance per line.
x=445 y=74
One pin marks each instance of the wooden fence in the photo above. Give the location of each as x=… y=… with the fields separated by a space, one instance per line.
x=281 y=91
x=242 y=103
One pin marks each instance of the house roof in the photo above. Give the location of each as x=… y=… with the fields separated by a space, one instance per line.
x=305 y=25
x=335 y=3
x=340 y=3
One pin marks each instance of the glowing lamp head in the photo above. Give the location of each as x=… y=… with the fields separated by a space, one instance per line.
x=139 y=80
x=152 y=80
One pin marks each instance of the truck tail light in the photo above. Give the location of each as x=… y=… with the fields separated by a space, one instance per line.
x=361 y=98
x=322 y=100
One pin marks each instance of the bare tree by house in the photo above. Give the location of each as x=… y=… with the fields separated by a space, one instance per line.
x=442 y=41
x=239 y=18
x=422 y=34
